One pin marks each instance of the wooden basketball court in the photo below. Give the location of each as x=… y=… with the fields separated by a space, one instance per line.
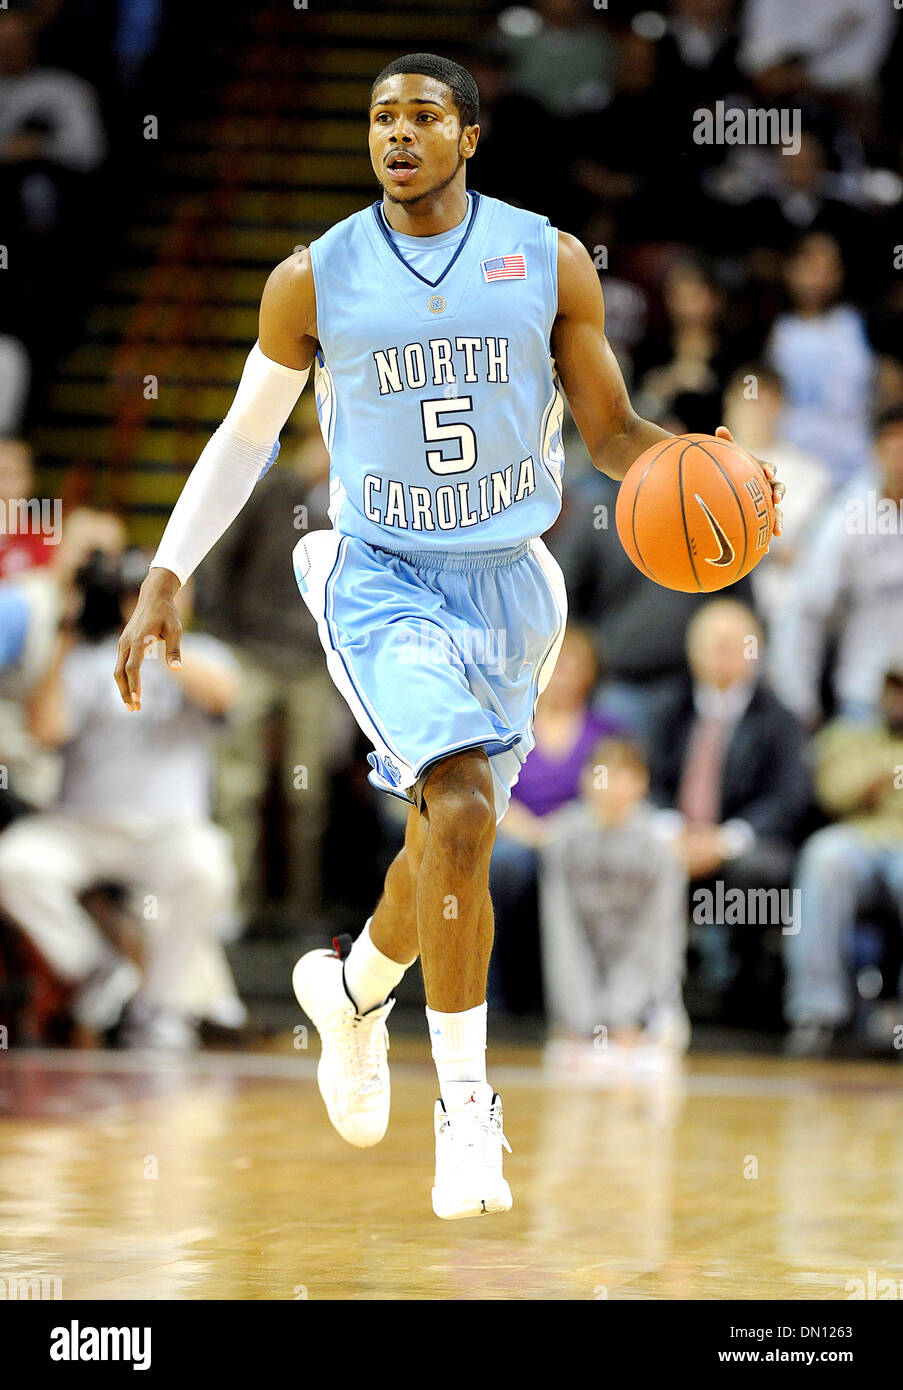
x=126 y=1176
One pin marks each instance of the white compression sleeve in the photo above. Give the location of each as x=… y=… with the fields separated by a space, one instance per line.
x=230 y=464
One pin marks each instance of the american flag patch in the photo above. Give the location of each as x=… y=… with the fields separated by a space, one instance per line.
x=504 y=268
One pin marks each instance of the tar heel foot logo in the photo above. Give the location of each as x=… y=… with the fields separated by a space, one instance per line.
x=392 y=769
x=726 y=550
x=77 y=1343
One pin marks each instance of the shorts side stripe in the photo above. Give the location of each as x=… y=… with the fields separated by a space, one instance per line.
x=555 y=644
x=369 y=717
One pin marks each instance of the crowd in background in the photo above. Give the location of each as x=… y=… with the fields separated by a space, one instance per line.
x=75 y=84
x=711 y=823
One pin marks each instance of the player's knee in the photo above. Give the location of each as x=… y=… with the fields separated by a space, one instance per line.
x=460 y=804
x=464 y=823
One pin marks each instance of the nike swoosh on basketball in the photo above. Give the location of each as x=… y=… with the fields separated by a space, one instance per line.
x=727 y=550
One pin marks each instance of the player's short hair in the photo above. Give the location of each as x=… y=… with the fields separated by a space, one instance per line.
x=458 y=80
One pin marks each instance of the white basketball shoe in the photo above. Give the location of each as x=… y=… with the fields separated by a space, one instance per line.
x=469 y=1145
x=353 y=1071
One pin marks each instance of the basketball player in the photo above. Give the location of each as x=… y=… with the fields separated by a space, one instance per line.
x=439 y=323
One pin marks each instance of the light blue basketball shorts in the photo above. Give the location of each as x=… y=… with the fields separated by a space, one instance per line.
x=435 y=653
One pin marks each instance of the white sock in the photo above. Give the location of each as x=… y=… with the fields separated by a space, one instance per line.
x=459 y=1052
x=370 y=977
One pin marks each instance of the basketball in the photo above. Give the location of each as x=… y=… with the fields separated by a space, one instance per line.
x=695 y=513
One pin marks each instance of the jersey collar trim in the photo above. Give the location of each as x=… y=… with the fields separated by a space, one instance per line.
x=381 y=224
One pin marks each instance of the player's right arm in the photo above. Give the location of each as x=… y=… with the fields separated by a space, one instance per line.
x=224 y=476
x=288 y=313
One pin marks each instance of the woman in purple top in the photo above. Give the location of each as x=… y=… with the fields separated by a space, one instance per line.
x=566 y=728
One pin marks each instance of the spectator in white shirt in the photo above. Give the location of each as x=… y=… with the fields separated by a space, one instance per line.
x=63 y=105
x=822 y=352
x=843 y=42
x=133 y=809
x=753 y=411
x=848 y=586
x=50 y=129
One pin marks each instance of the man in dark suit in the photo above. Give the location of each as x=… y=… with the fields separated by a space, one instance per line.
x=729 y=759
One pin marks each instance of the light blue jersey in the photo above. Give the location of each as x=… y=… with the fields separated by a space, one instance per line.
x=436 y=391
x=440 y=612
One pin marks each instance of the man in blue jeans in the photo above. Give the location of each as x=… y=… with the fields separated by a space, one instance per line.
x=849 y=867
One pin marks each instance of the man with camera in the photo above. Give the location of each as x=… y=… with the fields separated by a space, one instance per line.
x=133 y=809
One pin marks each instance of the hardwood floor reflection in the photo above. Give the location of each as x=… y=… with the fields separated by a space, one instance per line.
x=221 y=1178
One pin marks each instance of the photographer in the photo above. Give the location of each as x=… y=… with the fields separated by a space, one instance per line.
x=33 y=602
x=133 y=809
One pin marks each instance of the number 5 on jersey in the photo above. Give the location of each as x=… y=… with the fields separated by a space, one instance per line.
x=434 y=431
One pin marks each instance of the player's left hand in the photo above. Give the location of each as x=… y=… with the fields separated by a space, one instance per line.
x=777 y=488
